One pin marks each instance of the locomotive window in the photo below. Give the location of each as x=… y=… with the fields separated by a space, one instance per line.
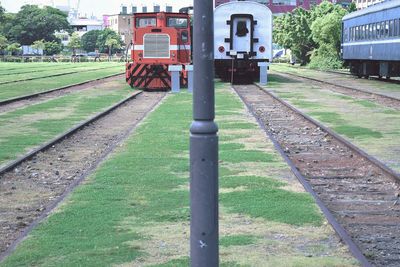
x=184 y=35
x=241 y=29
x=177 y=22
x=144 y=22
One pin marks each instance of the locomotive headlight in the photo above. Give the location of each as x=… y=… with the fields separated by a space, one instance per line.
x=173 y=54
x=261 y=49
x=221 y=49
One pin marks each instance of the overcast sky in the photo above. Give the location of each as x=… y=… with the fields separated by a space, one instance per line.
x=98 y=7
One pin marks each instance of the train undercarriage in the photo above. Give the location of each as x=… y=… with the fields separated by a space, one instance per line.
x=381 y=69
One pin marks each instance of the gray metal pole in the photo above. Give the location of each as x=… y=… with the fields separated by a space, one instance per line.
x=203 y=144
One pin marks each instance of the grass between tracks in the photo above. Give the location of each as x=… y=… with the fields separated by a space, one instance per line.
x=45 y=73
x=368 y=124
x=134 y=210
x=44 y=84
x=28 y=127
x=346 y=80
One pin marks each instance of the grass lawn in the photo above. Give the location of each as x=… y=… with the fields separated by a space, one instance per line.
x=12 y=90
x=369 y=125
x=47 y=72
x=375 y=86
x=134 y=211
x=26 y=128
x=9 y=67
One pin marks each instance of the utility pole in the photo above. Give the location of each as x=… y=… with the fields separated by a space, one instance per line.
x=203 y=143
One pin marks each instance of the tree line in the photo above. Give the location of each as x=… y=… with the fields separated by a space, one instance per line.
x=313 y=35
x=37 y=27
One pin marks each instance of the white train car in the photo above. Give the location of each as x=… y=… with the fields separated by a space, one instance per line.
x=242 y=38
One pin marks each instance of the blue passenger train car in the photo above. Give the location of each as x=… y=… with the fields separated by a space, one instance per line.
x=371 y=40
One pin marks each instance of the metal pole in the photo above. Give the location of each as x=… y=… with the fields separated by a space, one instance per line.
x=203 y=144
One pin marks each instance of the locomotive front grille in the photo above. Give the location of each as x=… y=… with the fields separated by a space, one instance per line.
x=156 y=46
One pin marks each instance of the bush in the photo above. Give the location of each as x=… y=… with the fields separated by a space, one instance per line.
x=325 y=58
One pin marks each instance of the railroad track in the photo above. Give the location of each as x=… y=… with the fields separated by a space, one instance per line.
x=32 y=186
x=13 y=103
x=50 y=76
x=389 y=101
x=358 y=194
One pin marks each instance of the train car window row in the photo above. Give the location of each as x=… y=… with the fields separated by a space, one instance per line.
x=373 y=31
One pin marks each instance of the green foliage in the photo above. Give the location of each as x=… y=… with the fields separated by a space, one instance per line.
x=89 y=40
x=104 y=36
x=293 y=31
x=111 y=43
x=32 y=23
x=38 y=45
x=14 y=48
x=3 y=42
x=1 y=13
x=74 y=42
x=326 y=32
x=312 y=34
x=53 y=48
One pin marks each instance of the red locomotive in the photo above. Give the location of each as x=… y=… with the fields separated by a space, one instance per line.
x=160 y=39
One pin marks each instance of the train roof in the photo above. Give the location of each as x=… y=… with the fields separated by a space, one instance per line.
x=261 y=6
x=371 y=9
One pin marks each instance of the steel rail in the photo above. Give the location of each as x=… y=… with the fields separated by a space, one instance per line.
x=19 y=98
x=342 y=86
x=341 y=232
x=63 y=136
x=50 y=76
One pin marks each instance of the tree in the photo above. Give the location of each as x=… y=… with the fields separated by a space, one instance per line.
x=38 y=45
x=74 y=42
x=112 y=43
x=326 y=32
x=89 y=40
x=292 y=31
x=32 y=23
x=1 y=13
x=102 y=38
x=14 y=48
x=313 y=34
x=3 y=42
x=52 y=48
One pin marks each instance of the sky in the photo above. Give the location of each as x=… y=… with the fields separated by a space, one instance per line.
x=98 y=7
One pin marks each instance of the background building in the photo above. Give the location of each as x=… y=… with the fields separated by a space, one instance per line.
x=360 y=4
x=284 y=6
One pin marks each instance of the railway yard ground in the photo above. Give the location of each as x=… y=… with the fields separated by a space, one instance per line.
x=97 y=174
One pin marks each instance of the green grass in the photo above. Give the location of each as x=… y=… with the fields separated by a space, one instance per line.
x=353 y=131
x=237 y=240
x=329 y=117
x=143 y=187
x=47 y=72
x=40 y=85
x=25 y=128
